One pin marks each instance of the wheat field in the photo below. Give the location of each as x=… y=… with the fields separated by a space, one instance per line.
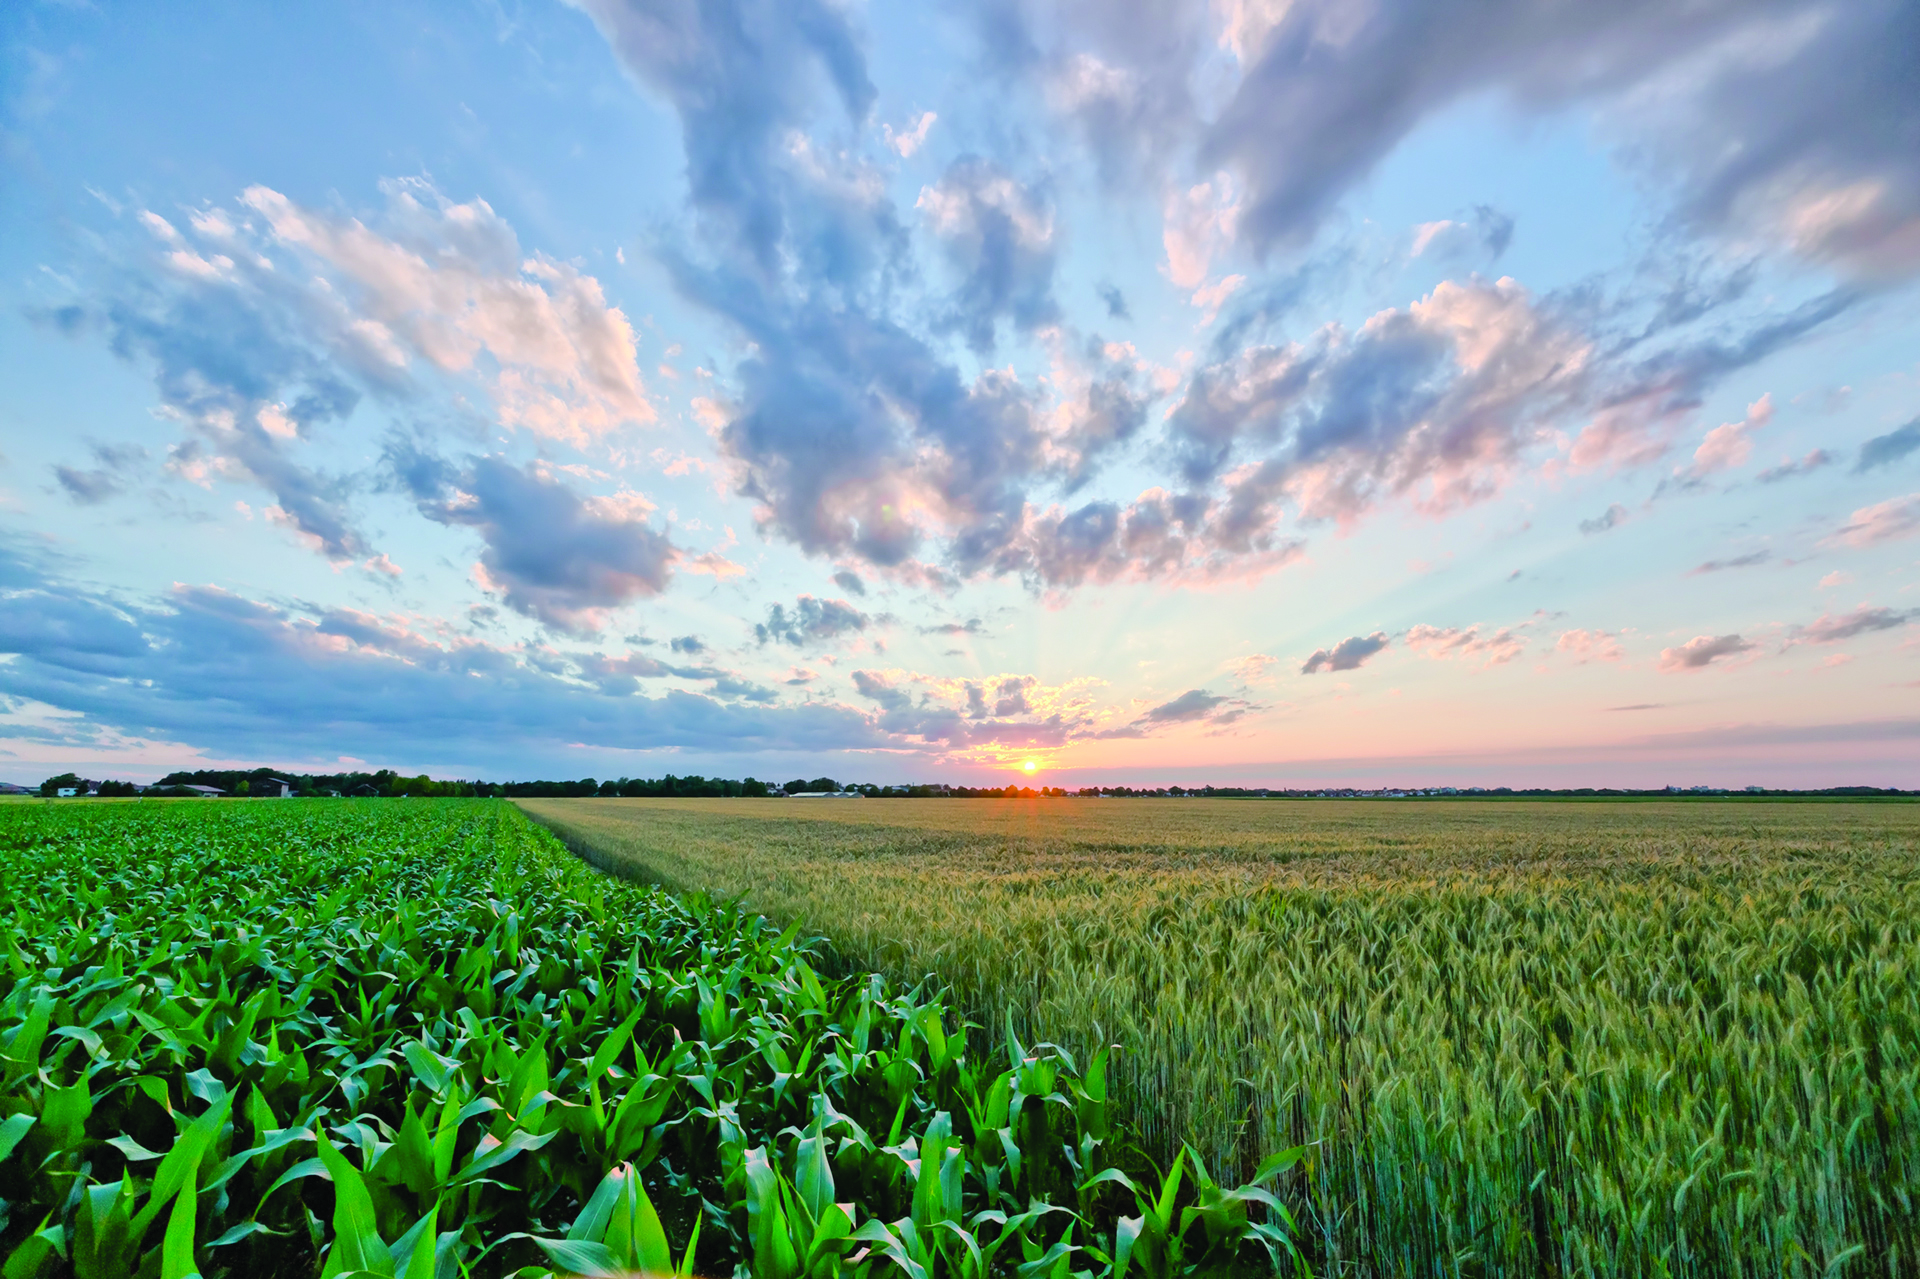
x=1543 y=1038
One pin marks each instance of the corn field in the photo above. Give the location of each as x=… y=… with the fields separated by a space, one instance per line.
x=1540 y=1039
x=422 y=1040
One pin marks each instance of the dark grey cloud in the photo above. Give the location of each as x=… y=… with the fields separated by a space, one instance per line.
x=1744 y=141
x=113 y=464
x=1195 y=706
x=1791 y=470
x=689 y=644
x=1349 y=654
x=552 y=554
x=224 y=673
x=1884 y=450
x=1831 y=629
x=850 y=582
x=1195 y=703
x=1115 y=302
x=1739 y=561
x=810 y=621
x=1611 y=518
x=999 y=235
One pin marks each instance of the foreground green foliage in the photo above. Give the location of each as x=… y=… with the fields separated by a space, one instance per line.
x=1530 y=1039
x=421 y=1040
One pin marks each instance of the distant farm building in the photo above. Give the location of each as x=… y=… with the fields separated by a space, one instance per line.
x=270 y=788
x=207 y=792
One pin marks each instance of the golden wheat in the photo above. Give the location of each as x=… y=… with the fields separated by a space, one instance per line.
x=1550 y=1037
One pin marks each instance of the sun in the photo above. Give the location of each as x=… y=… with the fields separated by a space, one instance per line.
x=1031 y=765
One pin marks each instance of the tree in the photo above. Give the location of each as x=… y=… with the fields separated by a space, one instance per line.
x=54 y=785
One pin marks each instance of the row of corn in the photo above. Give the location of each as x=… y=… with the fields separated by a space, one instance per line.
x=420 y=1040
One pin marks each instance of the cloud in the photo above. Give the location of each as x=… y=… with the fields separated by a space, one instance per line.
x=876 y=688
x=854 y=435
x=859 y=437
x=552 y=554
x=1884 y=450
x=1487 y=234
x=1436 y=401
x=1790 y=470
x=1194 y=704
x=1257 y=669
x=448 y=284
x=1739 y=561
x=1498 y=648
x=1884 y=522
x=850 y=582
x=972 y=626
x=1611 y=518
x=1115 y=302
x=234 y=676
x=907 y=141
x=999 y=235
x=266 y=321
x=1729 y=444
x=107 y=478
x=1590 y=646
x=1197 y=224
x=810 y=621
x=1831 y=628
x=689 y=644
x=1349 y=654
x=1701 y=651
x=1784 y=121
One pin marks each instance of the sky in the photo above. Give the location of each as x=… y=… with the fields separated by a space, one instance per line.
x=1258 y=392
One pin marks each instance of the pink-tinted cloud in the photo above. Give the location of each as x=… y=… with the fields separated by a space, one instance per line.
x=1589 y=646
x=1884 y=522
x=1496 y=648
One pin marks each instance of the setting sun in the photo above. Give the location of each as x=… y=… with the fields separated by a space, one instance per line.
x=1030 y=765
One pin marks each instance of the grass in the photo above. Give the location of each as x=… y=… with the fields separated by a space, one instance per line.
x=1528 y=1038
x=421 y=1040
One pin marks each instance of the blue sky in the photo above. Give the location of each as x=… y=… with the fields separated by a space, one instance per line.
x=1253 y=391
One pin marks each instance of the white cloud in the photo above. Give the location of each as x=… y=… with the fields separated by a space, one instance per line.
x=448 y=286
x=907 y=141
x=1196 y=225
